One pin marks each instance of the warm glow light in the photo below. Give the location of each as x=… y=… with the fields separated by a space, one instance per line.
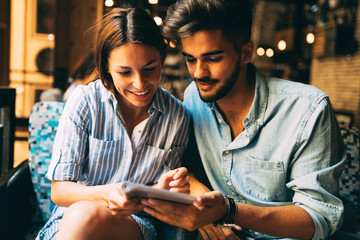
x=158 y=20
x=260 y=51
x=153 y=1
x=51 y=37
x=282 y=45
x=269 y=52
x=109 y=3
x=172 y=44
x=310 y=38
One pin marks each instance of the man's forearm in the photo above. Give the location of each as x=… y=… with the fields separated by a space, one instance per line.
x=283 y=221
x=196 y=187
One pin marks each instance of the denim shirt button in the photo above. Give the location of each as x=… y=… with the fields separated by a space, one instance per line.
x=229 y=183
x=220 y=120
x=226 y=152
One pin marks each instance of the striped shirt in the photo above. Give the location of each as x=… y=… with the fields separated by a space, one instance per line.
x=92 y=146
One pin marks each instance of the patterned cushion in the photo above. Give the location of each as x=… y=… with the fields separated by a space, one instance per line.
x=350 y=179
x=43 y=122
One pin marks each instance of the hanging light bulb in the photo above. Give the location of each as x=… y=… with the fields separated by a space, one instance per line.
x=172 y=44
x=158 y=20
x=269 y=52
x=260 y=51
x=109 y=3
x=153 y=1
x=282 y=45
x=310 y=38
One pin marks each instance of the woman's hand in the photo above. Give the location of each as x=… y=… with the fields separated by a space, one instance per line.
x=119 y=205
x=176 y=180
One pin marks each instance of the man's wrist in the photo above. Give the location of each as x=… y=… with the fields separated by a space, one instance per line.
x=228 y=221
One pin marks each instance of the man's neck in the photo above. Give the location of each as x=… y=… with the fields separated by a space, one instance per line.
x=237 y=103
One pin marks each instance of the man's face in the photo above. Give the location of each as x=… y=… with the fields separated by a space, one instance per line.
x=212 y=62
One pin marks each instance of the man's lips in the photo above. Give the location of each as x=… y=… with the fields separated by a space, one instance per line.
x=206 y=85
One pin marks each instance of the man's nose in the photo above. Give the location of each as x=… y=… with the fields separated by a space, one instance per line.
x=201 y=70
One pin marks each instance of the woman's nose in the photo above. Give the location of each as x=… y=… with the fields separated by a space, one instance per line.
x=139 y=81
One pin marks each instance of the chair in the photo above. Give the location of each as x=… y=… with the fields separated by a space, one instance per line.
x=25 y=203
x=350 y=179
x=7 y=128
x=43 y=122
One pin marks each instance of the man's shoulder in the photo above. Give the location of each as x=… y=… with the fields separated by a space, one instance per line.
x=295 y=90
x=191 y=96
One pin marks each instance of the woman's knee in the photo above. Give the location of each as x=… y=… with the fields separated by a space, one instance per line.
x=86 y=213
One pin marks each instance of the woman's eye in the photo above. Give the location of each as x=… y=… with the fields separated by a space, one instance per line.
x=150 y=69
x=125 y=73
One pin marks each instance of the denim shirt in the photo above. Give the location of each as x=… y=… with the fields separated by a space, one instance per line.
x=290 y=152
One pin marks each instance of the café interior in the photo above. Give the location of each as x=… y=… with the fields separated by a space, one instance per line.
x=43 y=42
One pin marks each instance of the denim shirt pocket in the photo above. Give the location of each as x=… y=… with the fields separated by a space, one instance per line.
x=265 y=180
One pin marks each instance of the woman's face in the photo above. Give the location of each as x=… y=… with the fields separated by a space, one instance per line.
x=136 y=71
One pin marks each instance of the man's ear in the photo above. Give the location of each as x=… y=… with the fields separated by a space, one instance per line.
x=247 y=52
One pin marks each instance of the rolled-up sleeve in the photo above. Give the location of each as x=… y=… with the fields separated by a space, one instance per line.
x=318 y=163
x=71 y=141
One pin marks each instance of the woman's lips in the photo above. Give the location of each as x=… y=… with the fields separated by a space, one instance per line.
x=141 y=94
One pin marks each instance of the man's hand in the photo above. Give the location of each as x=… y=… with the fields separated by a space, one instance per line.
x=176 y=180
x=206 y=209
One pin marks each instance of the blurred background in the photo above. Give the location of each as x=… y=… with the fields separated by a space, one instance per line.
x=311 y=41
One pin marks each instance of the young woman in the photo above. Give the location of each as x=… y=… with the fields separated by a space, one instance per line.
x=122 y=127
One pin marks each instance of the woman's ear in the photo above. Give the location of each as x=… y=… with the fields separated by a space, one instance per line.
x=247 y=52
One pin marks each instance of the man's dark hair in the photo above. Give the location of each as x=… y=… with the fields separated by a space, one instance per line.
x=232 y=17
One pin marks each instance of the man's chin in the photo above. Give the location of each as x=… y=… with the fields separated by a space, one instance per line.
x=207 y=97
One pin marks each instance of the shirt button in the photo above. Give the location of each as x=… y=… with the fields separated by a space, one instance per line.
x=229 y=183
x=139 y=131
x=220 y=120
x=226 y=152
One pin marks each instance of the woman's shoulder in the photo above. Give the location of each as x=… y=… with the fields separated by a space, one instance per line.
x=171 y=102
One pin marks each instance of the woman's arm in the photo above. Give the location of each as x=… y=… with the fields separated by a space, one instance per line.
x=110 y=196
x=65 y=193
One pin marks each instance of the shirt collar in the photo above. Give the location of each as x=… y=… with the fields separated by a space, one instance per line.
x=257 y=111
x=256 y=114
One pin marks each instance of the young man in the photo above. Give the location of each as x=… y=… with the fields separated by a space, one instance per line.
x=272 y=147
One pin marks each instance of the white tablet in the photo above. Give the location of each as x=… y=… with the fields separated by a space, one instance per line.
x=132 y=190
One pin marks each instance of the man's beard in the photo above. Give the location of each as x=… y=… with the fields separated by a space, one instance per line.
x=225 y=89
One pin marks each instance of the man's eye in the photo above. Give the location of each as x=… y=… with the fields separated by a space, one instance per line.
x=215 y=59
x=190 y=60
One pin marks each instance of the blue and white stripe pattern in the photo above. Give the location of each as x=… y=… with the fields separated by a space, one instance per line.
x=93 y=147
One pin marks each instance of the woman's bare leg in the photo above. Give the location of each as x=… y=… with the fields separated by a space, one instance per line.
x=90 y=221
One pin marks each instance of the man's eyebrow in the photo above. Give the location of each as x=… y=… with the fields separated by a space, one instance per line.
x=205 y=54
